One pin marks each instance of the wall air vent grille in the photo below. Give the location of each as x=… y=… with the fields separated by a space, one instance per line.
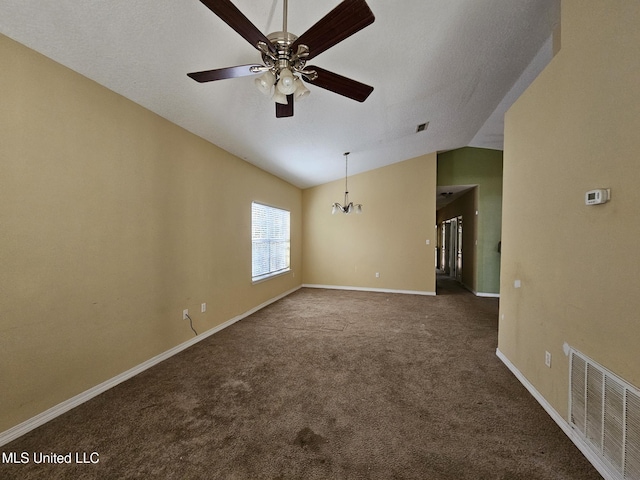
x=605 y=411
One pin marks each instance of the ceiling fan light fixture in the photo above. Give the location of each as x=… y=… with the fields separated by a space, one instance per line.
x=280 y=97
x=265 y=82
x=301 y=91
x=285 y=55
x=286 y=84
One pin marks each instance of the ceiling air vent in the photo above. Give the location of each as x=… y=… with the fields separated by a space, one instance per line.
x=422 y=127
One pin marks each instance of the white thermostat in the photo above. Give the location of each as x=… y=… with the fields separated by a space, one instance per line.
x=597 y=196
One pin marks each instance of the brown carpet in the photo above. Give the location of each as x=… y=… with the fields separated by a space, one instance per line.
x=321 y=385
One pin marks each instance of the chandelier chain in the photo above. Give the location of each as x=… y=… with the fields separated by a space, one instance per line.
x=346 y=170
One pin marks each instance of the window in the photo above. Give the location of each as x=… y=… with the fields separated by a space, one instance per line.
x=270 y=241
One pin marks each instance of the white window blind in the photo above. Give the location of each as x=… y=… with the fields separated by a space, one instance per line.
x=270 y=241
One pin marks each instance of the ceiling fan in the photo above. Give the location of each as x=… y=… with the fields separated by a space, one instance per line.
x=284 y=54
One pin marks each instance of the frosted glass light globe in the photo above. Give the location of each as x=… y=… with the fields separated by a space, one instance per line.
x=286 y=84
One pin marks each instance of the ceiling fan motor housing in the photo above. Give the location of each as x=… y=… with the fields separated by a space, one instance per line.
x=285 y=57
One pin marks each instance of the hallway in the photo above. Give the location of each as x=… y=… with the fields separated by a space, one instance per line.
x=446 y=285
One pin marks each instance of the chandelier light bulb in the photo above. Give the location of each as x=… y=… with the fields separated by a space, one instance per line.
x=286 y=84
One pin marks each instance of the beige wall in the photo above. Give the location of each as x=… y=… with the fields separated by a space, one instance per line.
x=575 y=129
x=113 y=220
x=389 y=237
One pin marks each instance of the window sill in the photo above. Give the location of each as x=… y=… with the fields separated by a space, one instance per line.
x=269 y=276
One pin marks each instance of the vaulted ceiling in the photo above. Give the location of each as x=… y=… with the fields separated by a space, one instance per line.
x=457 y=64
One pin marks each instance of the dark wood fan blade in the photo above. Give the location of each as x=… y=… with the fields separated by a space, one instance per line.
x=222 y=73
x=285 y=110
x=339 y=84
x=233 y=17
x=347 y=18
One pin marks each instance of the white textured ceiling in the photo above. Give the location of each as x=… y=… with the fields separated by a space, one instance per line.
x=450 y=63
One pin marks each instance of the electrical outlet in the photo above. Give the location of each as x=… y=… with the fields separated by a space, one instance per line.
x=377 y=274
x=185 y=312
x=547 y=359
x=203 y=308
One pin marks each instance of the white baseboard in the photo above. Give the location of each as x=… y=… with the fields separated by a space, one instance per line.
x=42 y=418
x=488 y=295
x=365 y=289
x=480 y=294
x=594 y=459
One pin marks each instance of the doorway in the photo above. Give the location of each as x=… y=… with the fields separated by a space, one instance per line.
x=451 y=253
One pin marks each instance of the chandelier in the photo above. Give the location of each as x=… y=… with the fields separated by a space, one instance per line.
x=348 y=206
x=279 y=68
